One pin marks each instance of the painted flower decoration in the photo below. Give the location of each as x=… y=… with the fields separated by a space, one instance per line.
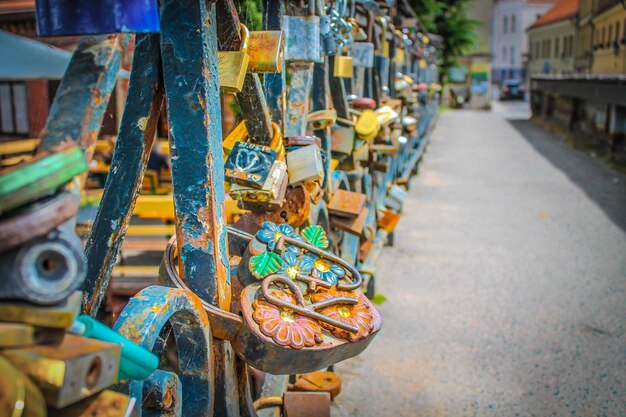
x=292 y=265
x=358 y=315
x=284 y=326
x=327 y=271
x=271 y=232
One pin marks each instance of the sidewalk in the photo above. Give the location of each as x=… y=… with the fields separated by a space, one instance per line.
x=507 y=285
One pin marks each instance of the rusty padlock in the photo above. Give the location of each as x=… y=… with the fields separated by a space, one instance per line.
x=294 y=211
x=270 y=196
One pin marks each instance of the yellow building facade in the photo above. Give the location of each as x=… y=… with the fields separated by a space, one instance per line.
x=609 y=39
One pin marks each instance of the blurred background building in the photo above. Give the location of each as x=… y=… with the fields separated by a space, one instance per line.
x=510 y=19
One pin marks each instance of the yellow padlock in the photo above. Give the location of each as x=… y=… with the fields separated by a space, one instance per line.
x=343 y=67
x=233 y=65
x=368 y=125
x=240 y=134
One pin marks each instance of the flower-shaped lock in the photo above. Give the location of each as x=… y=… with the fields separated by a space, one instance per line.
x=270 y=233
x=293 y=265
x=283 y=325
x=358 y=315
x=327 y=271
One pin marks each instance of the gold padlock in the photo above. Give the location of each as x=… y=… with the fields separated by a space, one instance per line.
x=368 y=125
x=233 y=65
x=266 y=51
x=240 y=134
x=343 y=66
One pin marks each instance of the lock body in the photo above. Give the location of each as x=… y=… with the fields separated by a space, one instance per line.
x=232 y=66
x=305 y=164
x=343 y=67
x=249 y=164
x=362 y=54
x=302 y=38
x=368 y=125
x=71 y=371
x=342 y=140
x=266 y=51
x=270 y=196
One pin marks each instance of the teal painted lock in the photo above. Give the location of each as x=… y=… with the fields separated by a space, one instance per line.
x=135 y=362
x=302 y=38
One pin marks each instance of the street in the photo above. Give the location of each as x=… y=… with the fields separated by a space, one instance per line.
x=506 y=286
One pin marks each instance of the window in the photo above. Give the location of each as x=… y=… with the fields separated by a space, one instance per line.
x=556 y=46
x=603 y=38
x=537 y=56
x=13 y=110
x=504 y=53
x=512 y=56
x=513 y=23
x=608 y=40
x=617 y=32
x=506 y=24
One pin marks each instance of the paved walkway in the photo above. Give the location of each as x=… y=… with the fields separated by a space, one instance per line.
x=506 y=285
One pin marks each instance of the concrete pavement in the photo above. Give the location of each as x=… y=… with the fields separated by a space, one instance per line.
x=506 y=285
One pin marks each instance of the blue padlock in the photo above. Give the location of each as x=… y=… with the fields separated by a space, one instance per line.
x=94 y=17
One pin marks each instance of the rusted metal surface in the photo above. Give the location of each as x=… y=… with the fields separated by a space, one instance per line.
x=274 y=85
x=224 y=324
x=306 y=404
x=319 y=381
x=273 y=386
x=132 y=150
x=299 y=97
x=189 y=53
x=346 y=203
x=82 y=98
x=36 y=220
x=295 y=209
x=143 y=320
x=106 y=403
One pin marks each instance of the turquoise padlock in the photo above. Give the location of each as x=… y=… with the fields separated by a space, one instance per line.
x=135 y=362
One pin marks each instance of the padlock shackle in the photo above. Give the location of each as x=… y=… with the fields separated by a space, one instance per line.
x=245 y=37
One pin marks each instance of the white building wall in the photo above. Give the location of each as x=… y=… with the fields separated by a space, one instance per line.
x=510 y=44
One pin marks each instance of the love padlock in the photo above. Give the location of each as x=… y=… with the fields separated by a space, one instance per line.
x=303 y=310
x=270 y=196
x=233 y=65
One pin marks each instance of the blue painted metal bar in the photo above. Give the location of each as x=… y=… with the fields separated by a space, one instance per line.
x=251 y=99
x=321 y=101
x=300 y=84
x=83 y=95
x=142 y=321
x=132 y=150
x=338 y=91
x=189 y=54
x=274 y=84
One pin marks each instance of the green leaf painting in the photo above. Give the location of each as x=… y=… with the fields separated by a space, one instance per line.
x=265 y=263
x=315 y=236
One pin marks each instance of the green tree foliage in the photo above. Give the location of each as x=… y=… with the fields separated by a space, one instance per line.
x=250 y=13
x=448 y=18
